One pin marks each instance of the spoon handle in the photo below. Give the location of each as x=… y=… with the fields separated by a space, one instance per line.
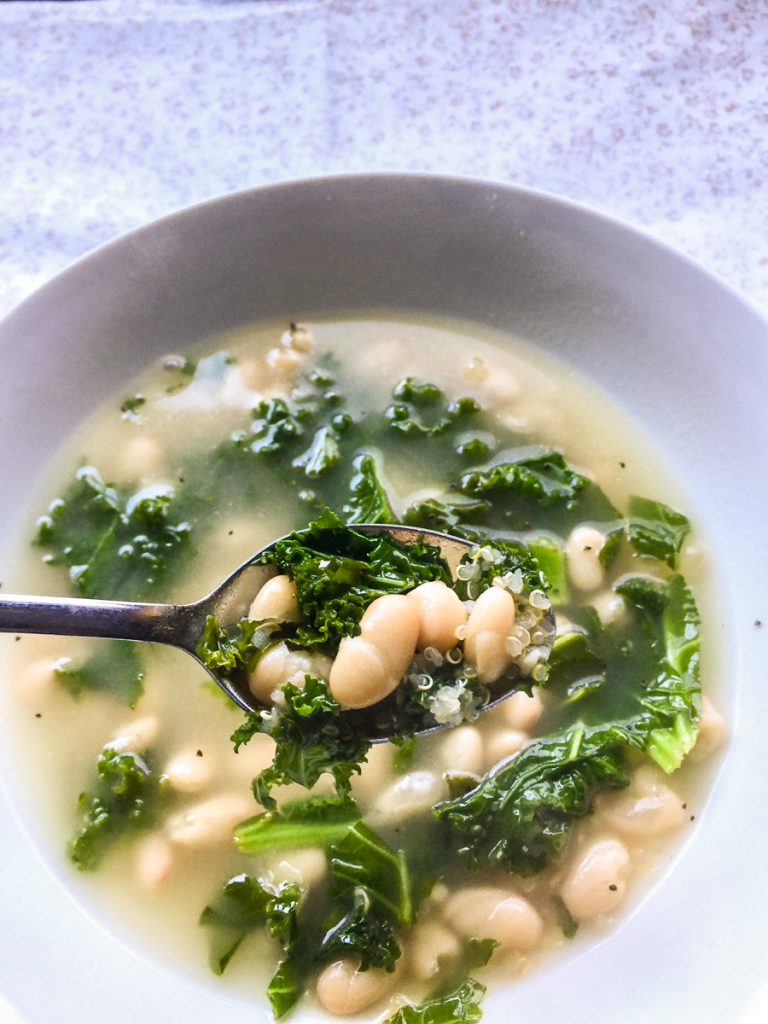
x=117 y=620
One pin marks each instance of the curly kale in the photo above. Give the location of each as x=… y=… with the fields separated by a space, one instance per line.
x=313 y=736
x=421 y=409
x=125 y=799
x=116 y=545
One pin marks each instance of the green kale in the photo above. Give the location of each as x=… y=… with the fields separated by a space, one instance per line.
x=368 y=501
x=542 y=492
x=520 y=813
x=125 y=799
x=421 y=409
x=315 y=821
x=115 y=545
x=364 y=933
x=274 y=425
x=362 y=858
x=130 y=407
x=323 y=453
x=313 y=736
x=339 y=571
x=114 y=668
x=656 y=530
x=227 y=653
x=244 y=905
x=458 y=1006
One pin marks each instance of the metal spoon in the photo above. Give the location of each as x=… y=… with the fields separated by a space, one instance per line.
x=181 y=625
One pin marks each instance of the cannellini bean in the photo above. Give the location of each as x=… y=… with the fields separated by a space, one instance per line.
x=489 y=624
x=135 y=736
x=305 y=867
x=279 y=665
x=188 y=772
x=461 y=749
x=375 y=774
x=441 y=612
x=596 y=881
x=519 y=711
x=276 y=600
x=154 y=862
x=391 y=624
x=582 y=551
x=369 y=667
x=503 y=743
x=37 y=678
x=491 y=912
x=712 y=731
x=141 y=458
x=283 y=362
x=343 y=988
x=502 y=386
x=413 y=794
x=433 y=948
x=610 y=607
x=209 y=822
x=648 y=808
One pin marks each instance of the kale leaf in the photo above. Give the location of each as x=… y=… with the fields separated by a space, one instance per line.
x=520 y=813
x=364 y=933
x=656 y=530
x=125 y=799
x=228 y=653
x=114 y=668
x=115 y=545
x=368 y=501
x=313 y=736
x=542 y=492
x=339 y=571
x=421 y=409
x=458 y=1006
x=315 y=821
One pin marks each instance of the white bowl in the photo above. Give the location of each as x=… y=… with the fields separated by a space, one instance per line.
x=677 y=347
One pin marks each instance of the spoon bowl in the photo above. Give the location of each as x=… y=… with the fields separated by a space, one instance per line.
x=182 y=625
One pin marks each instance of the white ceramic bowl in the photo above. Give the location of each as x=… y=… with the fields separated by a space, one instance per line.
x=678 y=348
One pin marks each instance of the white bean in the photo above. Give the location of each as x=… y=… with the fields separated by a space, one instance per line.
x=391 y=624
x=503 y=743
x=279 y=665
x=489 y=624
x=188 y=771
x=441 y=612
x=490 y=912
x=461 y=749
x=140 y=459
x=596 y=881
x=304 y=867
x=433 y=947
x=209 y=822
x=648 y=808
x=376 y=773
x=276 y=600
x=135 y=736
x=712 y=731
x=343 y=988
x=610 y=607
x=582 y=552
x=154 y=862
x=520 y=711
x=370 y=666
x=413 y=794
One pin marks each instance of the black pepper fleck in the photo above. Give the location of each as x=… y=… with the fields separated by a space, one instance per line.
x=38 y=714
x=199 y=753
x=758 y=622
x=613 y=887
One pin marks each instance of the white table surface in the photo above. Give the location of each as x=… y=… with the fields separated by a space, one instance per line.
x=114 y=112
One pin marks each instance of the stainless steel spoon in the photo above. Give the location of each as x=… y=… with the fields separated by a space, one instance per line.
x=181 y=625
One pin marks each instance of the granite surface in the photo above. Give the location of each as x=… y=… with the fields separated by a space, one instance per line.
x=114 y=112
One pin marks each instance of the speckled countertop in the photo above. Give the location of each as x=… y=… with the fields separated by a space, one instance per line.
x=114 y=112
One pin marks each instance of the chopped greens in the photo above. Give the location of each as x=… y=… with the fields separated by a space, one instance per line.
x=368 y=501
x=315 y=821
x=656 y=530
x=114 y=668
x=461 y=1005
x=124 y=800
x=312 y=738
x=115 y=545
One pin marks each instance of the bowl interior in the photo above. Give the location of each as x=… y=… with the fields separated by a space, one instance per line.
x=676 y=347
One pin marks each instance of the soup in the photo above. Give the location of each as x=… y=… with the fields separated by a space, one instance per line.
x=373 y=878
